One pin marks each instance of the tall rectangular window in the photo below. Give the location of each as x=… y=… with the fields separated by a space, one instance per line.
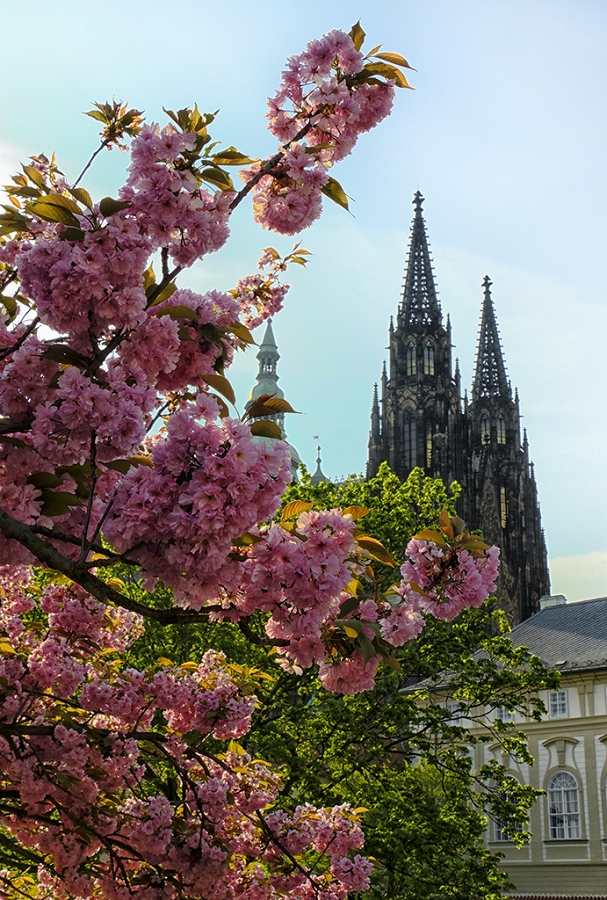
x=411 y=443
x=503 y=507
x=558 y=704
x=428 y=445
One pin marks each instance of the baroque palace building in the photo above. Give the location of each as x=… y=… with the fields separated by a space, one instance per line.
x=419 y=418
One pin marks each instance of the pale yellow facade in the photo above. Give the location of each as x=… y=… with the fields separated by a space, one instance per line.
x=568 y=851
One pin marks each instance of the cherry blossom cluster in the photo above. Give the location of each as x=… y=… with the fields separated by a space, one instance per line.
x=171 y=208
x=452 y=578
x=82 y=738
x=208 y=484
x=289 y=199
x=319 y=86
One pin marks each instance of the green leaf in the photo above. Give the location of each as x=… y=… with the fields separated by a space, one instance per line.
x=82 y=196
x=349 y=605
x=242 y=332
x=358 y=35
x=10 y=305
x=219 y=178
x=231 y=157
x=50 y=212
x=72 y=234
x=97 y=114
x=376 y=550
x=394 y=664
x=57 y=503
x=428 y=534
x=295 y=508
x=65 y=355
x=267 y=405
x=119 y=465
x=140 y=459
x=23 y=191
x=149 y=279
x=388 y=72
x=176 y=312
x=64 y=202
x=109 y=207
x=44 y=480
x=334 y=191
x=357 y=512
x=246 y=540
x=395 y=59
x=367 y=647
x=35 y=176
x=220 y=383
x=266 y=428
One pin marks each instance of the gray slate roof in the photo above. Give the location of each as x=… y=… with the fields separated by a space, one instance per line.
x=567 y=637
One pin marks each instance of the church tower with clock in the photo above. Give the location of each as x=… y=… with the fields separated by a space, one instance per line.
x=420 y=419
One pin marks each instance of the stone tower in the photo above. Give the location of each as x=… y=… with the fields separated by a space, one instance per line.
x=266 y=382
x=421 y=420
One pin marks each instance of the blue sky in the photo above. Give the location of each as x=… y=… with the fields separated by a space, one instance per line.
x=506 y=137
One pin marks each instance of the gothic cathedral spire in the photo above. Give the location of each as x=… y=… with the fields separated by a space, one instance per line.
x=490 y=378
x=420 y=304
x=420 y=422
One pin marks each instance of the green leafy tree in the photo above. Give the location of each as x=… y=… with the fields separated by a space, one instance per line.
x=396 y=752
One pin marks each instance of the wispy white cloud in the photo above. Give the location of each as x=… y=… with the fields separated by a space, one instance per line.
x=580 y=577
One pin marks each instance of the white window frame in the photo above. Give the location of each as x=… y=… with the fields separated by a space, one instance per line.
x=564 y=815
x=503 y=714
x=558 y=706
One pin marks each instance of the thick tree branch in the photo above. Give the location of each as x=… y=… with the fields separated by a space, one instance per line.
x=78 y=573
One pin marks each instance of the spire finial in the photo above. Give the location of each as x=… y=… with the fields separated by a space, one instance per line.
x=487 y=285
x=418 y=199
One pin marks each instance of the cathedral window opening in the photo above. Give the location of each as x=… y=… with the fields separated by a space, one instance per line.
x=485 y=430
x=411 y=360
x=410 y=444
x=428 y=445
x=428 y=359
x=503 y=507
x=501 y=430
x=564 y=808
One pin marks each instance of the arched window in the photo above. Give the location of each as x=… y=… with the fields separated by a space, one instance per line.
x=485 y=430
x=428 y=358
x=411 y=359
x=503 y=507
x=564 y=807
x=501 y=831
x=410 y=443
x=501 y=430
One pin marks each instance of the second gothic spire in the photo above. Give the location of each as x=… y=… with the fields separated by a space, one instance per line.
x=490 y=379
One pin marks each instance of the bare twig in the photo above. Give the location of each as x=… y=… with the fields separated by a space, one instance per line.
x=91 y=161
x=18 y=343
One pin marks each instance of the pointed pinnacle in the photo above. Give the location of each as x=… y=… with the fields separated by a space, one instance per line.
x=490 y=379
